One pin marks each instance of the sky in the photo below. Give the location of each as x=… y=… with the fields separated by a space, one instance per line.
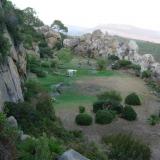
x=91 y=13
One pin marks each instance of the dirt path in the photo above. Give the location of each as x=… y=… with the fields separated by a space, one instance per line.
x=125 y=85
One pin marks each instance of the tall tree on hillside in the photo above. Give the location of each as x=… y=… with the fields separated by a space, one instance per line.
x=59 y=26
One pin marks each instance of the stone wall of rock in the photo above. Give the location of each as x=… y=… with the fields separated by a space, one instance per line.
x=98 y=44
x=11 y=72
x=52 y=37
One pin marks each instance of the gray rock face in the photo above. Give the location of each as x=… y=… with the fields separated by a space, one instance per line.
x=72 y=155
x=12 y=122
x=10 y=72
x=52 y=37
x=10 y=84
x=71 y=43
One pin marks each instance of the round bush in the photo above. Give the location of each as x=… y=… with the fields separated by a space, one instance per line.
x=41 y=73
x=84 y=119
x=104 y=116
x=129 y=113
x=132 y=99
x=108 y=104
x=81 y=109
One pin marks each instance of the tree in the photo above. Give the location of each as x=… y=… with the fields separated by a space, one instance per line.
x=59 y=26
x=30 y=17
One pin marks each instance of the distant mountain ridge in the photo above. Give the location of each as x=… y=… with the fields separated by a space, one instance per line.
x=121 y=30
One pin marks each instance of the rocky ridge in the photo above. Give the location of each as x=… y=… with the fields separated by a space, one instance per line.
x=98 y=44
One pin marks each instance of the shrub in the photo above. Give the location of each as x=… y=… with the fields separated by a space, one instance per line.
x=110 y=95
x=32 y=89
x=98 y=105
x=4 y=47
x=125 y=147
x=115 y=66
x=84 y=119
x=45 y=106
x=41 y=73
x=153 y=119
x=124 y=63
x=101 y=64
x=129 y=113
x=81 y=109
x=55 y=63
x=135 y=67
x=45 y=52
x=109 y=104
x=104 y=116
x=146 y=74
x=45 y=64
x=132 y=99
x=65 y=55
x=2 y=118
x=40 y=148
x=113 y=57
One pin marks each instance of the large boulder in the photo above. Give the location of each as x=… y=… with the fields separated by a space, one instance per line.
x=12 y=122
x=71 y=43
x=52 y=37
x=72 y=155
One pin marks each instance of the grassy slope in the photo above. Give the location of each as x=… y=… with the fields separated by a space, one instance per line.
x=72 y=97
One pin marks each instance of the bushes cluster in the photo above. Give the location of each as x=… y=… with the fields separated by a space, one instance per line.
x=104 y=116
x=125 y=147
x=124 y=63
x=84 y=119
x=129 y=113
x=40 y=148
x=108 y=104
x=132 y=99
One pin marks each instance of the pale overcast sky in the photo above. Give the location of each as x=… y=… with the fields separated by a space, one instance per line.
x=90 y=13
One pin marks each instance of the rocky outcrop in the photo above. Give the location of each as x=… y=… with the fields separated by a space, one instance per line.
x=52 y=37
x=11 y=71
x=98 y=44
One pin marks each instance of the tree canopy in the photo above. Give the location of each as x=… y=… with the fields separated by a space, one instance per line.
x=59 y=26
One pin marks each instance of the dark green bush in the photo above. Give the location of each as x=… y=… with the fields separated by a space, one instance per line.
x=104 y=116
x=124 y=63
x=45 y=64
x=32 y=89
x=135 y=67
x=45 y=106
x=132 y=99
x=84 y=119
x=54 y=63
x=99 y=105
x=146 y=74
x=125 y=147
x=4 y=47
x=81 y=109
x=113 y=57
x=41 y=73
x=115 y=66
x=129 y=113
x=110 y=95
x=109 y=104
x=45 y=52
